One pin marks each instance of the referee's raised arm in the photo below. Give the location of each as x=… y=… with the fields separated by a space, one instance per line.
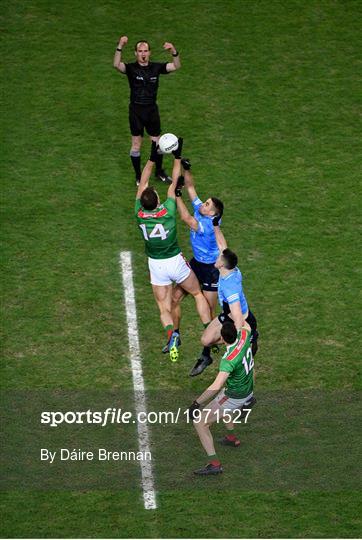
x=176 y=62
x=117 y=60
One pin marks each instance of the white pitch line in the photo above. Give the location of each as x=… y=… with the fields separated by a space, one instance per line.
x=125 y=261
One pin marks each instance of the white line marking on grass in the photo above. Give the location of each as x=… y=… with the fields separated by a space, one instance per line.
x=125 y=261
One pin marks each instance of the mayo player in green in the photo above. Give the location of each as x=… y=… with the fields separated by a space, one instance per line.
x=157 y=223
x=234 y=384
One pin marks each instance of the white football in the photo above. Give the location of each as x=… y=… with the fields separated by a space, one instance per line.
x=167 y=143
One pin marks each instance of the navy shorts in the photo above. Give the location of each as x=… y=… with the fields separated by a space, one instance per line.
x=207 y=275
x=144 y=116
x=251 y=320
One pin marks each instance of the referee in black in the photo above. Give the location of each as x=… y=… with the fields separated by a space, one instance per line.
x=143 y=77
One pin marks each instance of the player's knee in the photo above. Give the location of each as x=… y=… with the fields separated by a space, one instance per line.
x=197 y=294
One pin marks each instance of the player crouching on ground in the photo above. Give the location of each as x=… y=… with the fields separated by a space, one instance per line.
x=236 y=374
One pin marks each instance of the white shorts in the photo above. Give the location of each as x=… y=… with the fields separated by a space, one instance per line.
x=221 y=401
x=165 y=271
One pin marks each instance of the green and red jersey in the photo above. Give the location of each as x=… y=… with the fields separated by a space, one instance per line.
x=158 y=229
x=239 y=363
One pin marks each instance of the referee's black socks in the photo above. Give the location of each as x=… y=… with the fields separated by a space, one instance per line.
x=136 y=162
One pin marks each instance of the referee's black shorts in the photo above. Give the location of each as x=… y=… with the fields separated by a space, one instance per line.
x=143 y=117
x=207 y=275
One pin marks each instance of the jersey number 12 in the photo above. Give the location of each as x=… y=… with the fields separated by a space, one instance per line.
x=248 y=366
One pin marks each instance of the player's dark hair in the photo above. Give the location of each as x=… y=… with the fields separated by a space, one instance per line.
x=230 y=258
x=219 y=206
x=142 y=41
x=149 y=199
x=229 y=332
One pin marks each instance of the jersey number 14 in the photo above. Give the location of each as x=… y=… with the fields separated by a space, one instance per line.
x=158 y=231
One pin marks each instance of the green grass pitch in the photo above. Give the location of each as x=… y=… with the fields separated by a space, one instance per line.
x=268 y=103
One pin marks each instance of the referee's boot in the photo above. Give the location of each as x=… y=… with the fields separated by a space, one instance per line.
x=163 y=176
x=210 y=469
x=201 y=364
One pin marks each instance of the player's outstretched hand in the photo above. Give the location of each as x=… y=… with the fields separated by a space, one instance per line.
x=191 y=410
x=180 y=184
x=186 y=164
x=178 y=152
x=154 y=151
x=123 y=40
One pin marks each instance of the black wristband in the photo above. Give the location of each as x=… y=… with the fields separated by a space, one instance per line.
x=175 y=54
x=118 y=49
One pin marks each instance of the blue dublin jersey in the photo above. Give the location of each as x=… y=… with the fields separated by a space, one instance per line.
x=231 y=290
x=203 y=240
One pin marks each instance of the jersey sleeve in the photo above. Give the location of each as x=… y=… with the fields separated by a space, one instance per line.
x=226 y=365
x=161 y=68
x=196 y=203
x=231 y=293
x=232 y=298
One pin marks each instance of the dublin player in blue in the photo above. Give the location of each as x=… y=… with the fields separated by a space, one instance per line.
x=204 y=246
x=232 y=300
